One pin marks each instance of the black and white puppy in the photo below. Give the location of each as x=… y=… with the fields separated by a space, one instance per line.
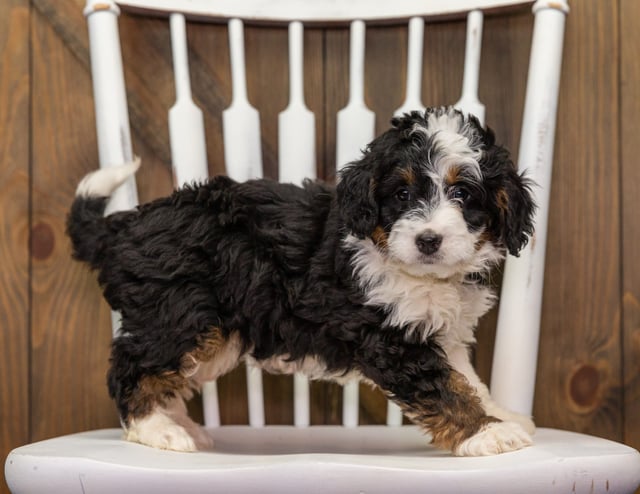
x=379 y=278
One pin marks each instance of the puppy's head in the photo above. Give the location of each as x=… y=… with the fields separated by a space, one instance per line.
x=437 y=195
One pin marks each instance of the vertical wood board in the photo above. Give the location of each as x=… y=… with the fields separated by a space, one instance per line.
x=70 y=322
x=578 y=386
x=630 y=189
x=15 y=226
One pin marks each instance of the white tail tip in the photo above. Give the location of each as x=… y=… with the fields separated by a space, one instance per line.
x=102 y=182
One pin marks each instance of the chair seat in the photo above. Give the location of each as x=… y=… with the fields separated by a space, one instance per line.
x=320 y=459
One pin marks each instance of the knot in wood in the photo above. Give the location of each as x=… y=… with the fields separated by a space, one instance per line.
x=584 y=386
x=42 y=241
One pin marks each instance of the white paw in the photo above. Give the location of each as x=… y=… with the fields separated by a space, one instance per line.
x=493 y=439
x=160 y=431
x=507 y=416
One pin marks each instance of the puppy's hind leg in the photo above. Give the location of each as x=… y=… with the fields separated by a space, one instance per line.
x=151 y=399
x=151 y=404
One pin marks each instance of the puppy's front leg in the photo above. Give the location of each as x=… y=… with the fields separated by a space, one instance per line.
x=418 y=377
x=458 y=356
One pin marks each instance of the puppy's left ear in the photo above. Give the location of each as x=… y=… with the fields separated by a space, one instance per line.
x=356 y=199
x=517 y=208
x=510 y=197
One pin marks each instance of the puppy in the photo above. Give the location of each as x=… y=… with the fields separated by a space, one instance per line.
x=380 y=278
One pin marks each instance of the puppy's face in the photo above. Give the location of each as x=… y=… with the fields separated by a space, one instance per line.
x=437 y=196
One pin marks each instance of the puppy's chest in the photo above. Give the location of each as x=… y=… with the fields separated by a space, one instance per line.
x=429 y=306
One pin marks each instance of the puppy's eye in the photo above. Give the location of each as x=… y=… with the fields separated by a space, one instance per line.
x=458 y=194
x=403 y=195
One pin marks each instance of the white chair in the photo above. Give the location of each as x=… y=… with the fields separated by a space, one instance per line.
x=331 y=458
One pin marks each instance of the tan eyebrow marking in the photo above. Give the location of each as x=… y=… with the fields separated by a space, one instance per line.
x=408 y=176
x=453 y=175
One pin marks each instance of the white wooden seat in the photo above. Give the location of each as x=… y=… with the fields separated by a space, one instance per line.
x=258 y=458
x=320 y=459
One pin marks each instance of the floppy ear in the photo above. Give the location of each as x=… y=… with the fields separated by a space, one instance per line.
x=356 y=199
x=510 y=197
x=517 y=209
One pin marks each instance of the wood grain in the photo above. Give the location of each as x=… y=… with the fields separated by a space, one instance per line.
x=630 y=190
x=70 y=323
x=578 y=385
x=14 y=227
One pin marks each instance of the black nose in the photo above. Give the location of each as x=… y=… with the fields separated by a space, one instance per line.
x=429 y=242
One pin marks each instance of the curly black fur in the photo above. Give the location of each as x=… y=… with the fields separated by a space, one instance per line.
x=268 y=262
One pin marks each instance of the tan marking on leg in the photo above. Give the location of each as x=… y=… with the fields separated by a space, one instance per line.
x=214 y=355
x=157 y=390
x=157 y=413
x=213 y=358
x=459 y=359
x=453 y=417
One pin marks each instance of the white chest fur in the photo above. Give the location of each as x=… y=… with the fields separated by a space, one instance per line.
x=423 y=304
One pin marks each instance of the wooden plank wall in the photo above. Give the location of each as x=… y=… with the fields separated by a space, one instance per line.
x=14 y=225
x=55 y=328
x=630 y=190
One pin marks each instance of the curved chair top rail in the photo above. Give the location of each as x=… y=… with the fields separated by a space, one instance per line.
x=317 y=12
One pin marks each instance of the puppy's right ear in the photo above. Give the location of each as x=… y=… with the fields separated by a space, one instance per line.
x=356 y=199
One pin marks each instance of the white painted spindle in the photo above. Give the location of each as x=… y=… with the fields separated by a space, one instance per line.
x=355 y=129
x=296 y=124
x=186 y=123
x=413 y=97
x=110 y=98
x=297 y=161
x=188 y=156
x=350 y=403
x=469 y=102
x=210 y=404
x=112 y=115
x=516 y=348
x=255 y=396
x=355 y=122
x=241 y=121
x=243 y=160
x=301 y=399
x=394 y=415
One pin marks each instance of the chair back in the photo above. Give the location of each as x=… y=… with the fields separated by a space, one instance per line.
x=515 y=353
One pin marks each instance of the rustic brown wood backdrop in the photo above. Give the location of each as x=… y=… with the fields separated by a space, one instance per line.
x=55 y=330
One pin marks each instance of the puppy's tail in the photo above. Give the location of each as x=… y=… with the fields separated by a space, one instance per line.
x=85 y=224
